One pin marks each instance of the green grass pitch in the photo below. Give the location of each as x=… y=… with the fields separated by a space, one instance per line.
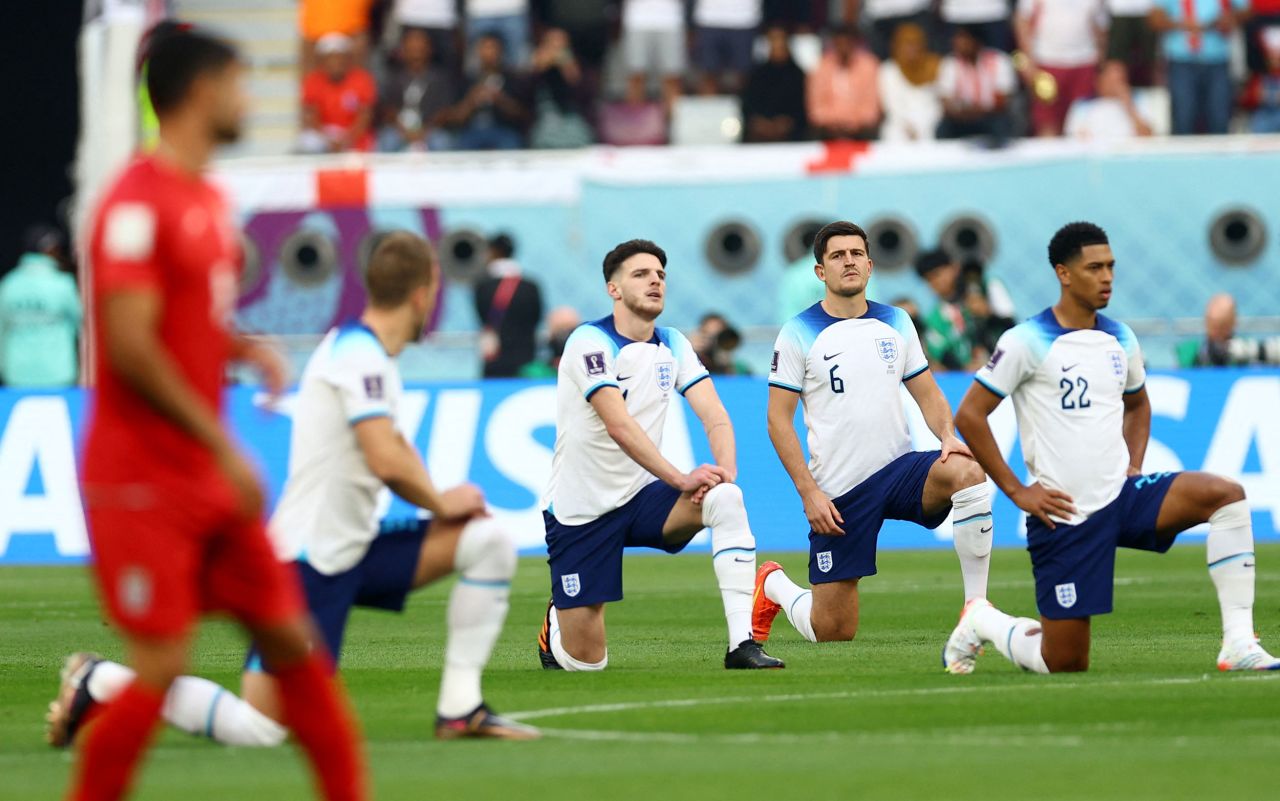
x=872 y=719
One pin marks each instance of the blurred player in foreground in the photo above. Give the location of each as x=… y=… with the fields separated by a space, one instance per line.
x=847 y=358
x=611 y=488
x=344 y=450
x=1078 y=387
x=174 y=509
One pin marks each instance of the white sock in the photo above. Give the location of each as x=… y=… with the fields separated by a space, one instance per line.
x=108 y=680
x=733 y=555
x=563 y=657
x=203 y=708
x=486 y=560
x=197 y=706
x=1009 y=635
x=1231 y=566
x=972 y=534
x=796 y=602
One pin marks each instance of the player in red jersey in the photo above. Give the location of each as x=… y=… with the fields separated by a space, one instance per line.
x=174 y=509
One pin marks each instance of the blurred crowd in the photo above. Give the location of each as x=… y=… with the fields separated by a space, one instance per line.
x=504 y=74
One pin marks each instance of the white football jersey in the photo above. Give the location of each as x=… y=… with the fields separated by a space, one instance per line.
x=1068 y=386
x=328 y=512
x=849 y=374
x=590 y=474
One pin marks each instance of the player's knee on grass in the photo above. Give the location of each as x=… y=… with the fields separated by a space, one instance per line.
x=485 y=552
x=834 y=627
x=1067 y=663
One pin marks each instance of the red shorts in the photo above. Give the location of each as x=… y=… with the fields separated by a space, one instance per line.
x=1074 y=83
x=162 y=555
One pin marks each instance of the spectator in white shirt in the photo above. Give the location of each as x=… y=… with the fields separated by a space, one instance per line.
x=975 y=83
x=1110 y=115
x=909 y=87
x=880 y=18
x=1061 y=40
x=653 y=45
x=507 y=19
x=1131 y=39
x=988 y=18
x=724 y=33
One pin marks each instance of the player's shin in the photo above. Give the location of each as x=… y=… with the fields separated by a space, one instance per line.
x=1018 y=639
x=486 y=562
x=1231 y=566
x=733 y=555
x=196 y=706
x=972 y=534
x=563 y=657
x=795 y=601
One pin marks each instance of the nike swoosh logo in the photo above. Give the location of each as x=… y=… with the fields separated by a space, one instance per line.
x=623 y=377
x=744 y=561
x=1072 y=367
x=1248 y=564
x=985 y=530
x=827 y=358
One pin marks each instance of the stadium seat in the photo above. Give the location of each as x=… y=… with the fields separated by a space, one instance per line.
x=706 y=121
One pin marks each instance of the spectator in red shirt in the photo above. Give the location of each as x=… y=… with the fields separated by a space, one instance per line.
x=1263 y=14
x=338 y=99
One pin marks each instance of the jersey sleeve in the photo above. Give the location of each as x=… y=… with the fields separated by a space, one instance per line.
x=916 y=362
x=589 y=362
x=689 y=368
x=363 y=374
x=1136 y=378
x=786 y=371
x=1008 y=367
x=128 y=246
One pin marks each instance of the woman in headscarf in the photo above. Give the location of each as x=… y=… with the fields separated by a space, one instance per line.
x=908 y=87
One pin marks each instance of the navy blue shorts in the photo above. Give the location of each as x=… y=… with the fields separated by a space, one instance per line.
x=586 y=560
x=383 y=579
x=894 y=492
x=1075 y=566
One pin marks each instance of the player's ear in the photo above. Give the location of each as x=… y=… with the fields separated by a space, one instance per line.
x=613 y=290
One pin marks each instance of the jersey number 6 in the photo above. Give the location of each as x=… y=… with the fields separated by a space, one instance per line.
x=837 y=383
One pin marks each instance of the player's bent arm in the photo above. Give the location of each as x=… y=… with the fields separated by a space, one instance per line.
x=933 y=404
x=782 y=433
x=1137 y=427
x=971 y=420
x=133 y=349
x=631 y=438
x=396 y=463
x=706 y=404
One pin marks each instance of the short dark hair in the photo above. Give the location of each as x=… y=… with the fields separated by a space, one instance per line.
x=401 y=263
x=930 y=260
x=632 y=247
x=832 y=230
x=503 y=245
x=1073 y=238
x=178 y=55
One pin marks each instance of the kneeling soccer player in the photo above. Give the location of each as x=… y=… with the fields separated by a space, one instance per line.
x=344 y=450
x=616 y=380
x=1078 y=386
x=847 y=359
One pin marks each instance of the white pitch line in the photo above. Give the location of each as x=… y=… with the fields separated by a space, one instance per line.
x=627 y=706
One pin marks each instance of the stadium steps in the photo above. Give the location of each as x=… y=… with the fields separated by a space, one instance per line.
x=267 y=33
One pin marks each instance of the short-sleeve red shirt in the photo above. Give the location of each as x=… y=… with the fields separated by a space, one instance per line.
x=163 y=229
x=338 y=104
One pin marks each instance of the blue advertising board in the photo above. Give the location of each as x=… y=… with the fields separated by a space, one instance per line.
x=499 y=435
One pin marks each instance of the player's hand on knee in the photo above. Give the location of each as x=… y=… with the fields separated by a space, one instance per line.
x=951 y=445
x=702 y=480
x=1042 y=503
x=824 y=517
x=462 y=502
